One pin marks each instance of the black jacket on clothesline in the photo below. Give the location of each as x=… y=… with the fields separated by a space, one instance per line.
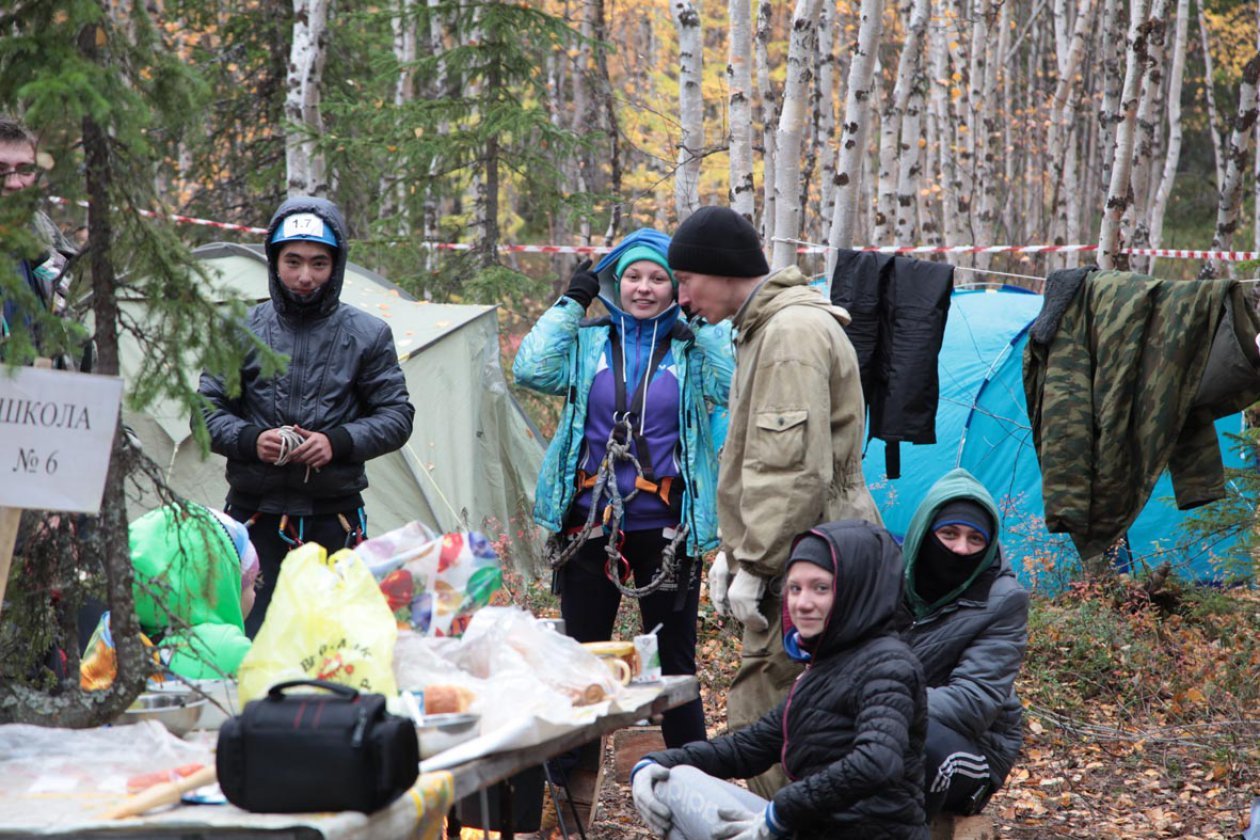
x=898 y=306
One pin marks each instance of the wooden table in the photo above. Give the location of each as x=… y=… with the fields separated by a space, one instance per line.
x=78 y=816
x=498 y=768
x=481 y=773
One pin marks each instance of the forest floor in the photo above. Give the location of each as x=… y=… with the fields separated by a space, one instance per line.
x=1140 y=723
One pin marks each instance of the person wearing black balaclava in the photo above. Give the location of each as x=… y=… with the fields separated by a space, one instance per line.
x=296 y=441
x=966 y=618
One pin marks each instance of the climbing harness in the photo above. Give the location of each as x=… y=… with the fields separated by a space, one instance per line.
x=562 y=547
x=624 y=440
x=292 y=536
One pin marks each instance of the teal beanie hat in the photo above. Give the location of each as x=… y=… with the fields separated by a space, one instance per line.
x=635 y=254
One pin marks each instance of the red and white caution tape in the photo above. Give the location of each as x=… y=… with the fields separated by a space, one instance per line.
x=524 y=249
x=806 y=247
x=1177 y=253
x=175 y=217
x=1173 y=253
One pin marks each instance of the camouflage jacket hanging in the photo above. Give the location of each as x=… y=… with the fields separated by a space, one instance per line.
x=1112 y=376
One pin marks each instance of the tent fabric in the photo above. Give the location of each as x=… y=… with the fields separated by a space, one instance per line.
x=473 y=452
x=982 y=425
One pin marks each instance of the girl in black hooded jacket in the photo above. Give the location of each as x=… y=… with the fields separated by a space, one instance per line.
x=849 y=735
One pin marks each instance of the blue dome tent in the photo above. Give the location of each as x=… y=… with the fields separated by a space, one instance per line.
x=982 y=425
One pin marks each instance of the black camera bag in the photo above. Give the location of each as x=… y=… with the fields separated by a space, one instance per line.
x=291 y=753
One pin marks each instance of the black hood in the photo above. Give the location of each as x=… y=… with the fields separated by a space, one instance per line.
x=868 y=572
x=330 y=293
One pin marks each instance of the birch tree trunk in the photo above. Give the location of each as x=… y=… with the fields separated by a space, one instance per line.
x=769 y=114
x=1210 y=93
x=825 y=119
x=1110 y=48
x=787 y=169
x=1173 y=156
x=930 y=221
x=891 y=145
x=580 y=165
x=857 y=106
x=1062 y=143
x=432 y=197
x=690 y=109
x=743 y=195
x=964 y=116
x=909 y=163
x=1146 y=126
x=982 y=122
x=608 y=107
x=393 y=186
x=951 y=213
x=1120 y=191
x=307 y=171
x=1229 y=206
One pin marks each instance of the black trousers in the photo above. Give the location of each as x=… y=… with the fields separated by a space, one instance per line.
x=959 y=780
x=264 y=532
x=589 y=604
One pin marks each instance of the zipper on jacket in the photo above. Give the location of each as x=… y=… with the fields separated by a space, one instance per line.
x=689 y=485
x=787 y=707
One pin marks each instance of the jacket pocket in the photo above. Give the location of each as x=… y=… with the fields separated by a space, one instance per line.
x=779 y=438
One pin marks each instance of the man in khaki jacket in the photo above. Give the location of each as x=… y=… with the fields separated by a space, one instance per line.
x=793 y=452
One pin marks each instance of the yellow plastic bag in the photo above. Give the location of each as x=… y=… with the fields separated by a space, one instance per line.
x=328 y=620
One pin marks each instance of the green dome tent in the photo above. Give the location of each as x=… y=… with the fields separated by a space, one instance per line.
x=472 y=449
x=982 y=425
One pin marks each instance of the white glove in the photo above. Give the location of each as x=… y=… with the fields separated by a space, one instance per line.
x=743 y=825
x=745 y=596
x=719 y=582
x=655 y=813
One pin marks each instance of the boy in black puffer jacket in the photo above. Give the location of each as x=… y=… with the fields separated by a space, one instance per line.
x=850 y=734
x=296 y=442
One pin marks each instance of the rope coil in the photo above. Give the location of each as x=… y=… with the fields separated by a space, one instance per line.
x=289 y=441
x=558 y=552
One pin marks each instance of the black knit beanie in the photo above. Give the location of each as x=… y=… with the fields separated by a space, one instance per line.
x=811 y=549
x=717 y=241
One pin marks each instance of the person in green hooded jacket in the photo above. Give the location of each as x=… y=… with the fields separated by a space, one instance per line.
x=966 y=618
x=195 y=570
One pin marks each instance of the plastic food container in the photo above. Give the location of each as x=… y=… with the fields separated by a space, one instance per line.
x=179 y=713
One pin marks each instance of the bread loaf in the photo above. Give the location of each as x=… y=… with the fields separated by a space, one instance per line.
x=445 y=699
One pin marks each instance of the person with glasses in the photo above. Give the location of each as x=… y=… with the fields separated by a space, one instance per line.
x=41 y=257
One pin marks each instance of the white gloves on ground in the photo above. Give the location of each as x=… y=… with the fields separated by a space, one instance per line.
x=742 y=825
x=744 y=595
x=655 y=813
x=719 y=581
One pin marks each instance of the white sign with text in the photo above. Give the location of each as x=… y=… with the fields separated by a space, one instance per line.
x=56 y=435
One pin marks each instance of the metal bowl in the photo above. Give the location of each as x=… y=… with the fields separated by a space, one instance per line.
x=177 y=712
x=438 y=733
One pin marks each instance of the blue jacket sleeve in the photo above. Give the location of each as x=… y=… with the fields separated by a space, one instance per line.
x=719 y=361
x=544 y=361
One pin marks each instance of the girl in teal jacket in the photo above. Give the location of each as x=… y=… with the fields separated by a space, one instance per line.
x=646 y=363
